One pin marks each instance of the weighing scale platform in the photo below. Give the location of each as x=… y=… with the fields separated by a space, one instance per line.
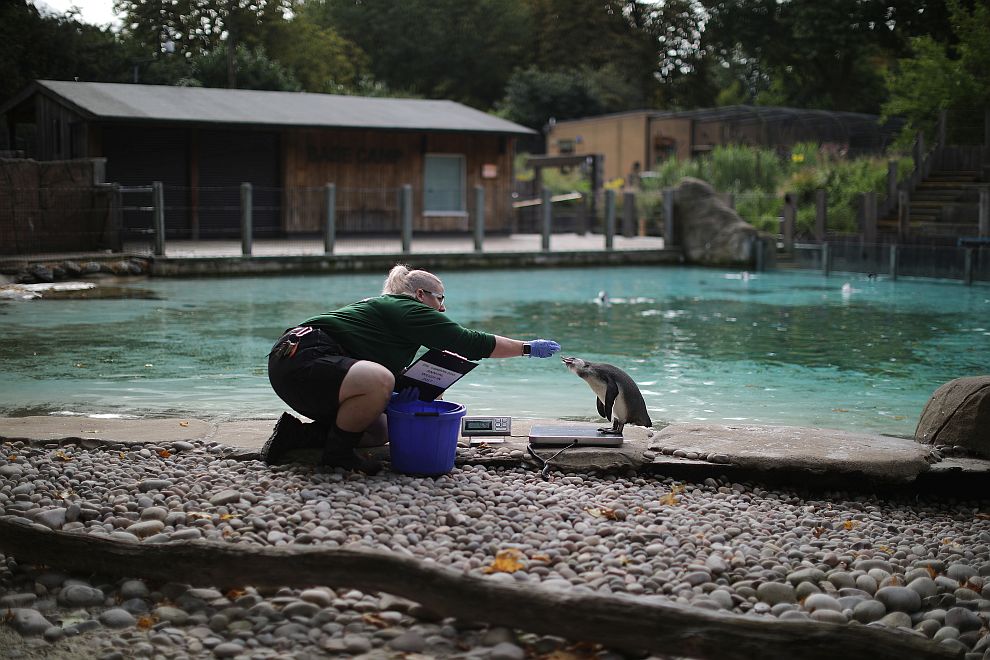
x=584 y=436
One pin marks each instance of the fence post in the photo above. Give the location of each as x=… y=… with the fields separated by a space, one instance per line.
x=790 y=216
x=826 y=260
x=968 y=266
x=609 y=219
x=628 y=214
x=669 y=237
x=405 y=210
x=246 y=229
x=479 y=218
x=983 y=223
x=330 y=219
x=547 y=209
x=893 y=262
x=158 y=204
x=869 y=218
x=821 y=214
x=903 y=214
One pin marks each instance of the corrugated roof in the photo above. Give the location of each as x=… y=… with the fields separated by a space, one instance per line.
x=254 y=107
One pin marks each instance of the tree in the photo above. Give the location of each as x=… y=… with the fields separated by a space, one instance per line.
x=200 y=27
x=463 y=50
x=318 y=57
x=952 y=76
x=33 y=46
x=533 y=96
x=255 y=70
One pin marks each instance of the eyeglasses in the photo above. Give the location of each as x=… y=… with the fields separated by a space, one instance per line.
x=438 y=296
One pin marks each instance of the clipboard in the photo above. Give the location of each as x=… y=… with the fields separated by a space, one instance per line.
x=433 y=373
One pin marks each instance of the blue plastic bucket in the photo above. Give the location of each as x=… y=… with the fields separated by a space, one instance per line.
x=422 y=436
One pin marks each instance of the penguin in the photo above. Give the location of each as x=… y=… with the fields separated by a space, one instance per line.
x=619 y=399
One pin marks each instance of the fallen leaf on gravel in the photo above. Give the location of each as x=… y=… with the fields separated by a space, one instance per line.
x=164 y=453
x=539 y=558
x=183 y=423
x=145 y=622
x=932 y=572
x=506 y=561
x=374 y=620
x=849 y=524
x=234 y=594
x=671 y=497
x=978 y=516
x=62 y=456
x=603 y=512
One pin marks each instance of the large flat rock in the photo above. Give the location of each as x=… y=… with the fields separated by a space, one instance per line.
x=781 y=448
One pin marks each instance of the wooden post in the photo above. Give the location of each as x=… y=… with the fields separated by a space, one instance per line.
x=479 y=218
x=158 y=212
x=246 y=216
x=670 y=237
x=790 y=217
x=893 y=262
x=821 y=214
x=330 y=217
x=870 y=218
x=903 y=214
x=968 y=266
x=547 y=215
x=609 y=219
x=983 y=219
x=826 y=260
x=628 y=214
x=405 y=209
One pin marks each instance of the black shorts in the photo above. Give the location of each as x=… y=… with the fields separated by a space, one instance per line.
x=309 y=380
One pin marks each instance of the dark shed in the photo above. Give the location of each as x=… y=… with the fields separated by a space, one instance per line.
x=202 y=143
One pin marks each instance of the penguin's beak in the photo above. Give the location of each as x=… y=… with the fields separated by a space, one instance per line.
x=567 y=360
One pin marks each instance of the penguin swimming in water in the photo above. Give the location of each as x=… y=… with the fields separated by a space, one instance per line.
x=619 y=399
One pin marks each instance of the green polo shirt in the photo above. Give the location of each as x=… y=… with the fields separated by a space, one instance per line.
x=390 y=329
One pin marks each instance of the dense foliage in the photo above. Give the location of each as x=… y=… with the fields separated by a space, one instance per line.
x=531 y=60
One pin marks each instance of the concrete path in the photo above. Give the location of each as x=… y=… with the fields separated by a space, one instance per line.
x=798 y=456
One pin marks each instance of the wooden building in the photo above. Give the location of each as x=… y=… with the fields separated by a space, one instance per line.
x=642 y=140
x=203 y=143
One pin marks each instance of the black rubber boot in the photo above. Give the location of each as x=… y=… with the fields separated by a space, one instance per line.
x=339 y=451
x=289 y=435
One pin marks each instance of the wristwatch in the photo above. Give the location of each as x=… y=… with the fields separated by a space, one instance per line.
x=527 y=349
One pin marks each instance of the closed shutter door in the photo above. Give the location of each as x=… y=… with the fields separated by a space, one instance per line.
x=137 y=156
x=227 y=159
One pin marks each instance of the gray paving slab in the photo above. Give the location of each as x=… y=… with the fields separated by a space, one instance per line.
x=687 y=449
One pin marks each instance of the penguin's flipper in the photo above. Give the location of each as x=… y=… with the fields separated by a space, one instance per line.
x=601 y=408
x=611 y=391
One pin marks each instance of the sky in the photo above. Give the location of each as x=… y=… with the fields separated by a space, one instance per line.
x=96 y=12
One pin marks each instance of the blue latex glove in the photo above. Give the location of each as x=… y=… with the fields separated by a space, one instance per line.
x=407 y=395
x=543 y=348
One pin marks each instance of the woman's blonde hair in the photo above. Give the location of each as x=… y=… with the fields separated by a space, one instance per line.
x=403 y=281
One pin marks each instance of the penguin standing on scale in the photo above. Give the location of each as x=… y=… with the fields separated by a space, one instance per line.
x=619 y=399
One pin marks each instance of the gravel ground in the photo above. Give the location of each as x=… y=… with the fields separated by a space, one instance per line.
x=921 y=565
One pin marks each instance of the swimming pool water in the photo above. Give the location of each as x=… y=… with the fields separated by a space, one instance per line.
x=786 y=347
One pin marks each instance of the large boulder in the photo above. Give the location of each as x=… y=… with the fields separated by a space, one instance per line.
x=712 y=233
x=958 y=415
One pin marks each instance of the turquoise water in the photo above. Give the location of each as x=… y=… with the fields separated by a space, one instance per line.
x=716 y=346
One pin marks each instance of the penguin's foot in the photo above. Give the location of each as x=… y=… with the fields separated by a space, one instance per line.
x=610 y=430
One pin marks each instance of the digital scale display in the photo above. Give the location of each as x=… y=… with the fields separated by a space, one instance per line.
x=486 y=426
